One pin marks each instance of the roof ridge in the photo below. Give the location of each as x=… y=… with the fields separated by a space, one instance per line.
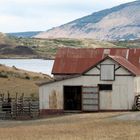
x=135 y=70
x=117 y=56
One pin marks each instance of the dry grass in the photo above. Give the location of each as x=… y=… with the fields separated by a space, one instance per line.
x=19 y=81
x=17 y=85
x=95 y=126
x=15 y=72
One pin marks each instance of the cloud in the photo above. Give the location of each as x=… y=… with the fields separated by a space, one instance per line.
x=31 y=8
x=18 y=24
x=22 y=15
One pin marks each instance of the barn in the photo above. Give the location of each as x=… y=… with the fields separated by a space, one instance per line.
x=87 y=80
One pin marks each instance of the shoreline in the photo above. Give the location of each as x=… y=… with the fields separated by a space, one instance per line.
x=30 y=64
x=27 y=58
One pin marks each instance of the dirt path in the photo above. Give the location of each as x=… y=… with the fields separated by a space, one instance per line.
x=131 y=116
x=89 y=126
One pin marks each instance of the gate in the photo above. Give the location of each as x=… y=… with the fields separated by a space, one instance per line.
x=90 y=99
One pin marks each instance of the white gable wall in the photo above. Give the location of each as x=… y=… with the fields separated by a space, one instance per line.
x=93 y=71
x=120 y=71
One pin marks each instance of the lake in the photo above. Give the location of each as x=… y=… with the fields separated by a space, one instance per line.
x=35 y=65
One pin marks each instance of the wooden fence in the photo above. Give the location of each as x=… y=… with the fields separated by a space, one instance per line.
x=18 y=107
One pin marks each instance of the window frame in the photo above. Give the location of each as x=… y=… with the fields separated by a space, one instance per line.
x=105 y=85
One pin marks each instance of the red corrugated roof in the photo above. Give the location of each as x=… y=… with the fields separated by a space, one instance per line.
x=126 y=64
x=76 y=61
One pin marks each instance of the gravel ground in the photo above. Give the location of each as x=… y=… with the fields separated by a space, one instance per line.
x=132 y=116
x=122 y=116
x=84 y=126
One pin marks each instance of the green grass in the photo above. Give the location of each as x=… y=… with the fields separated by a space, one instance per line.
x=128 y=44
x=47 y=48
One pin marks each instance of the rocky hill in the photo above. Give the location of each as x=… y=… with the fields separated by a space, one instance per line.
x=118 y=23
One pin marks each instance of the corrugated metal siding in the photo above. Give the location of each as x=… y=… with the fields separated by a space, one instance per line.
x=75 y=61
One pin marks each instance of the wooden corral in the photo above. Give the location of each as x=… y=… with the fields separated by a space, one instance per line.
x=18 y=107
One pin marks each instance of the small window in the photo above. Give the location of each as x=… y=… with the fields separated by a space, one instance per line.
x=105 y=87
x=107 y=72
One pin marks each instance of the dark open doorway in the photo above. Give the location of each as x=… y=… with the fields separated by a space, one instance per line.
x=72 y=97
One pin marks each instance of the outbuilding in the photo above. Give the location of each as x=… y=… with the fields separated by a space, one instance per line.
x=102 y=79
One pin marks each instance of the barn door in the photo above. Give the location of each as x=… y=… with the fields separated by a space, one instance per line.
x=90 y=99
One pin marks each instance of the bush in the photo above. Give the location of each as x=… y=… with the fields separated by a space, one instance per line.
x=27 y=77
x=3 y=75
x=134 y=108
x=14 y=68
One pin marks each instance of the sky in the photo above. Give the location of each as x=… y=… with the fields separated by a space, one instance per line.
x=41 y=15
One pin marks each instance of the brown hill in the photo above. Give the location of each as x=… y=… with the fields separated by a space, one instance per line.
x=19 y=81
x=118 y=23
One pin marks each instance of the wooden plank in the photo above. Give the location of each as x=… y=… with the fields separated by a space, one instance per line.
x=90 y=95
x=90 y=89
x=90 y=99
x=90 y=107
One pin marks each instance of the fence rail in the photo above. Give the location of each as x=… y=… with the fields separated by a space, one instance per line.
x=19 y=107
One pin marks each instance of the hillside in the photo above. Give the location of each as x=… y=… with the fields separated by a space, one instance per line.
x=43 y=48
x=128 y=44
x=14 y=80
x=118 y=23
x=5 y=40
x=13 y=47
x=24 y=34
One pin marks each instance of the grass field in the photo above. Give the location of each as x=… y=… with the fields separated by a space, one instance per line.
x=94 y=126
x=14 y=80
x=43 y=48
x=14 y=47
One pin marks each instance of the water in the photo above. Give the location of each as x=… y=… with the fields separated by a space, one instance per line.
x=35 y=65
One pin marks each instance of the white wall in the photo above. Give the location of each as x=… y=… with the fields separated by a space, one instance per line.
x=120 y=98
x=137 y=85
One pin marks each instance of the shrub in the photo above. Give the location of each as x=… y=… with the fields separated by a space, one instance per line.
x=15 y=68
x=3 y=75
x=27 y=77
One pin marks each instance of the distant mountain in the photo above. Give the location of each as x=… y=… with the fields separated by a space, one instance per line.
x=24 y=34
x=118 y=23
x=4 y=39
